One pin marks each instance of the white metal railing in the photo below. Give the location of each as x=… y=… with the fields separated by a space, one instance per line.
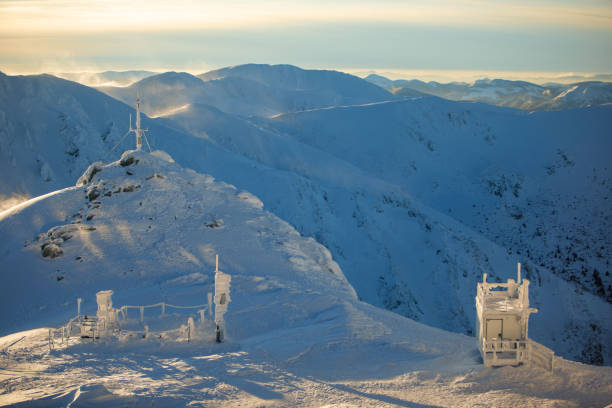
x=505 y=352
x=91 y=326
x=163 y=305
x=542 y=356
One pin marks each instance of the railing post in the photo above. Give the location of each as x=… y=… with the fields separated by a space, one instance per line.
x=141 y=314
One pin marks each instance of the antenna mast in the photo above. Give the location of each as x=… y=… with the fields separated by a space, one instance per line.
x=138 y=131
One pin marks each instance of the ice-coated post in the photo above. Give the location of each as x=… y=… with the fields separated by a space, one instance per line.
x=191 y=327
x=79 y=300
x=202 y=317
x=106 y=314
x=210 y=304
x=518 y=274
x=141 y=314
x=222 y=299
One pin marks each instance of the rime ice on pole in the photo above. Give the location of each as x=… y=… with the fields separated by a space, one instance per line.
x=222 y=299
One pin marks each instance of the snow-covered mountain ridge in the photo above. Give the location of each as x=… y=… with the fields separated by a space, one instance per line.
x=504 y=174
x=140 y=223
x=514 y=94
x=296 y=333
x=251 y=90
x=354 y=180
x=367 y=190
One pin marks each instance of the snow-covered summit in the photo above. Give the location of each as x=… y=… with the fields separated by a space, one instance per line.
x=290 y=77
x=143 y=223
x=51 y=129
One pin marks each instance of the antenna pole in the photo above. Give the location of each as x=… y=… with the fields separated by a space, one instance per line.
x=138 y=131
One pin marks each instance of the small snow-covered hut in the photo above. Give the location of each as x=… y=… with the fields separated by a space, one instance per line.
x=503 y=321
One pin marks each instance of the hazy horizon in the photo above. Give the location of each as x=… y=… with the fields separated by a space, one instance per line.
x=433 y=37
x=442 y=76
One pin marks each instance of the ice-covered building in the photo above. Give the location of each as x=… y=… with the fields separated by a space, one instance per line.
x=503 y=321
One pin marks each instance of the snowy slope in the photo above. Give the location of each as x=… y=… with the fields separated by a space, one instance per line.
x=357 y=197
x=582 y=94
x=514 y=94
x=297 y=335
x=248 y=90
x=522 y=180
x=145 y=223
x=347 y=184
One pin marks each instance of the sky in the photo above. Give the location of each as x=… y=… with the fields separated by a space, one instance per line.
x=527 y=39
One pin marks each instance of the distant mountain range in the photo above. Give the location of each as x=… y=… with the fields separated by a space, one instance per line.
x=251 y=90
x=501 y=92
x=415 y=199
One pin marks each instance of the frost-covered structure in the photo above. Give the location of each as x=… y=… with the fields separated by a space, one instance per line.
x=222 y=299
x=503 y=321
x=120 y=323
x=106 y=314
